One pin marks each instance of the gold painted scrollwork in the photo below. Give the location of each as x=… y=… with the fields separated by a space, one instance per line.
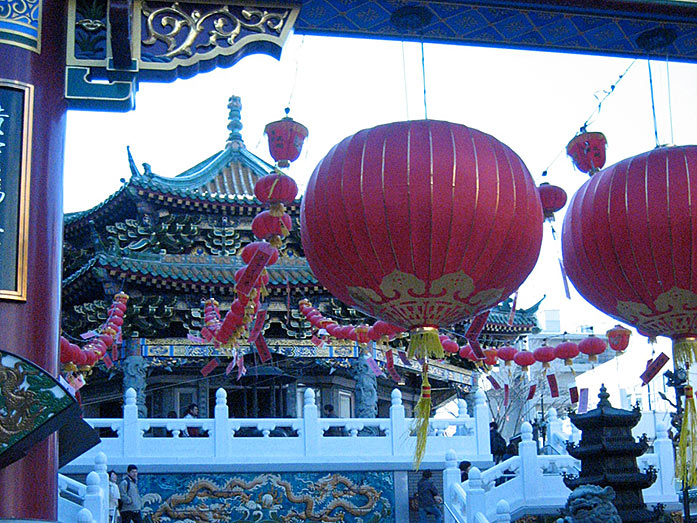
x=673 y=312
x=180 y=30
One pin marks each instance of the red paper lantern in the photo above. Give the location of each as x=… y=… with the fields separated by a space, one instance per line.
x=276 y=188
x=618 y=338
x=587 y=150
x=265 y=225
x=249 y=250
x=567 y=351
x=465 y=352
x=553 y=199
x=507 y=354
x=525 y=359
x=544 y=355
x=450 y=346
x=591 y=347
x=490 y=357
x=421 y=223
x=629 y=238
x=286 y=138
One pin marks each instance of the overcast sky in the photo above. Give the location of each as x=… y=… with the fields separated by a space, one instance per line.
x=534 y=102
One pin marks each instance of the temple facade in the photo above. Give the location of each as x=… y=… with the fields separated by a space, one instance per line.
x=171 y=243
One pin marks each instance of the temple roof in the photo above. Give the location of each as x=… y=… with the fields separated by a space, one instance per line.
x=227 y=177
x=605 y=415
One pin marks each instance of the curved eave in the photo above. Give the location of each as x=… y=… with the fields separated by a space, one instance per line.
x=117 y=206
x=191 y=273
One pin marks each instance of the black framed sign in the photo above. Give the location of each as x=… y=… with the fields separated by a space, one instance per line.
x=16 y=106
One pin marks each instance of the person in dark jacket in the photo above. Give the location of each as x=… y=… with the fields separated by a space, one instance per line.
x=498 y=444
x=428 y=497
x=130 y=497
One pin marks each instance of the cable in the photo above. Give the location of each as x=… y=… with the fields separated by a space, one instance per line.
x=404 y=74
x=423 y=72
x=670 y=104
x=297 y=67
x=653 y=104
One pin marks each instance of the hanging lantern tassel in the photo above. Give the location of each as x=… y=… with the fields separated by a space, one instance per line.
x=684 y=351
x=424 y=342
x=422 y=413
x=685 y=463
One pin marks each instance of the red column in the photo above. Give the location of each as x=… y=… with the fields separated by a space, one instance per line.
x=28 y=487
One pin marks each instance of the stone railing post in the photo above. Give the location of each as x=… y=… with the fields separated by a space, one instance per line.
x=311 y=431
x=221 y=431
x=503 y=512
x=398 y=428
x=555 y=432
x=100 y=466
x=84 y=516
x=451 y=477
x=476 y=497
x=530 y=474
x=131 y=428
x=663 y=449
x=94 y=498
x=481 y=425
x=462 y=414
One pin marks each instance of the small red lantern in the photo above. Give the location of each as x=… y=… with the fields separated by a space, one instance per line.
x=450 y=346
x=249 y=250
x=265 y=226
x=525 y=359
x=286 y=138
x=553 y=199
x=276 y=188
x=507 y=354
x=465 y=352
x=567 y=351
x=592 y=346
x=544 y=355
x=618 y=338
x=490 y=357
x=587 y=150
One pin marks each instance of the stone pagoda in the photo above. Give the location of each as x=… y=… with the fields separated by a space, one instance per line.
x=608 y=453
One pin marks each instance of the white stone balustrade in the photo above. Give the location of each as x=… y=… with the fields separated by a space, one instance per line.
x=87 y=503
x=532 y=484
x=288 y=444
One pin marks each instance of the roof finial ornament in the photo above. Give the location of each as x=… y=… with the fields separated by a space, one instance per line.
x=234 y=125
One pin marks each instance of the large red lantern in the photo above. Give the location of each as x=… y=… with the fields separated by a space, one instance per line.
x=553 y=199
x=592 y=347
x=587 y=150
x=629 y=239
x=286 y=138
x=421 y=223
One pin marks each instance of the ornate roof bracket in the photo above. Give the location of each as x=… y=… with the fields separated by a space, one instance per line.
x=113 y=45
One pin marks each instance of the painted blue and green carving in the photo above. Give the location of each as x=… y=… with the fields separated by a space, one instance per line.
x=351 y=497
x=90 y=29
x=20 y=23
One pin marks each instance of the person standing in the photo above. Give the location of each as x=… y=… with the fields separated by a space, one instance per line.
x=429 y=499
x=114 y=497
x=498 y=444
x=131 y=503
x=191 y=413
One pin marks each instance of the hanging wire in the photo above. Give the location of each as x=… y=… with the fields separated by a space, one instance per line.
x=595 y=112
x=653 y=103
x=423 y=72
x=404 y=74
x=670 y=104
x=297 y=67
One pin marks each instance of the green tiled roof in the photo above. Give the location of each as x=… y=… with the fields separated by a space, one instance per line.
x=203 y=270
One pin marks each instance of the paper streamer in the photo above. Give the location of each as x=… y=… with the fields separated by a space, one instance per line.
x=107 y=361
x=317 y=341
x=531 y=392
x=389 y=356
x=258 y=324
x=653 y=368
x=230 y=366
x=582 y=401
x=553 y=386
x=195 y=339
x=114 y=352
x=254 y=269
x=241 y=369
x=262 y=348
x=511 y=315
x=89 y=334
x=403 y=358
x=374 y=366
x=210 y=366
x=494 y=383
x=565 y=279
x=573 y=394
x=506 y=394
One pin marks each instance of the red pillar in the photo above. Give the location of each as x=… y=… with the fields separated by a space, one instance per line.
x=28 y=487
